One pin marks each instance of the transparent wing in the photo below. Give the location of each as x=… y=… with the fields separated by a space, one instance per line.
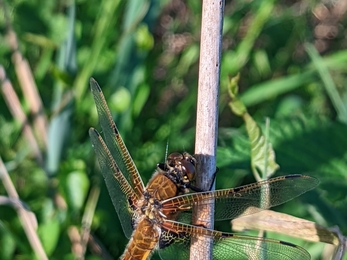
x=245 y=200
x=115 y=142
x=121 y=192
x=176 y=239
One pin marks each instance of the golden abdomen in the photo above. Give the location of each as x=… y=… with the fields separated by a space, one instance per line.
x=143 y=241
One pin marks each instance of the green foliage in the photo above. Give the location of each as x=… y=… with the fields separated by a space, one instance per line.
x=145 y=57
x=263 y=162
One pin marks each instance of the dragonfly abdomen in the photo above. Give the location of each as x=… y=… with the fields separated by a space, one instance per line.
x=143 y=241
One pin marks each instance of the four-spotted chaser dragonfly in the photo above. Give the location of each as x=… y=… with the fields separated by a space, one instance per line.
x=158 y=216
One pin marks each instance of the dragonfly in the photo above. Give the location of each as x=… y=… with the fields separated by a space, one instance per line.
x=158 y=216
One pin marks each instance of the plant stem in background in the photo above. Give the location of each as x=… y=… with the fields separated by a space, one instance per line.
x=207 y=113
x=26 y=82
x=17 y=112
x=23 y=215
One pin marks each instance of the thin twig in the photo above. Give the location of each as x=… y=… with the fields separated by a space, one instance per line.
x=79 y=240
x=207 y=115
x=17 y=112
x=25 y=218
x=88 y=216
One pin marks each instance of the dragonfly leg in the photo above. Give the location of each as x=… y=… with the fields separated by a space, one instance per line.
x=214 y=178
x=196 y=189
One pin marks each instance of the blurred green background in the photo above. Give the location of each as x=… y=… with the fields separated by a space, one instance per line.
x=291 y=56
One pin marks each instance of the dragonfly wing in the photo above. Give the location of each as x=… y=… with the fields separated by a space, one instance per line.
x=114 y=140
x=248 y=199
x=120 y=190
x=176 y=239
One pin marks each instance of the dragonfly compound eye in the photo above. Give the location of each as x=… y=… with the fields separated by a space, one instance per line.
x=189 y=169
x=189 y=158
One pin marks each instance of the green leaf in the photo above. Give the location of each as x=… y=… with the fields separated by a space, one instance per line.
x=49 y=235
x=302 y=145
x=140 y=99
x=7 y=243
x=143 y=38
x=77 y=185
x=120 y=100
x=262 y=154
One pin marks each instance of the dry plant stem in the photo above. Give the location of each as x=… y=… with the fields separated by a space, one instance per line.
x=88 y=216
x=17 y=112
x=23 y=215
x=16 y=203
x=79 y=240
x=76 y=247
x=26 y=81
x=288 y=225
x=207 y=115
x=341 y=248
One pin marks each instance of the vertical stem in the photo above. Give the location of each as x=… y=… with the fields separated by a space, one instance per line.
x=207 y=116
x=23 y=215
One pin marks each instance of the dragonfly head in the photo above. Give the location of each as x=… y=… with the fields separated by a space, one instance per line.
x=180 y=168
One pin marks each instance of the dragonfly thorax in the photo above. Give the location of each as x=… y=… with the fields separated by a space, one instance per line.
x=150 y=207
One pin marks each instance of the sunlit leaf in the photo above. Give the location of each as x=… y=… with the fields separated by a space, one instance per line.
x=49 y=233
x=77 y=188
x=262 y=154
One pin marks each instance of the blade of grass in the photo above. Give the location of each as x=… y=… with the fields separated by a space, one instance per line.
x=62 y=106
x=274 y=87
x=329 y=84
x=243 y=51
x=103 y=21
x=269 y=89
